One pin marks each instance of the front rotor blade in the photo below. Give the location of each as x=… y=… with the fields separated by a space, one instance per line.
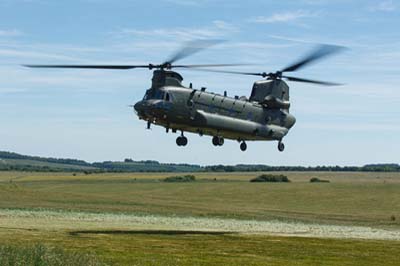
x=191 y=48
x=326 y=83
x=90 y=66
x=207 y=65
x=317 y=54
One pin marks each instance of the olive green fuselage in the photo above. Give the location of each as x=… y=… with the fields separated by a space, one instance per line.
x=176 y=107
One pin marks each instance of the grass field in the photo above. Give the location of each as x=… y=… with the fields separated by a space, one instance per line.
x=96 y=213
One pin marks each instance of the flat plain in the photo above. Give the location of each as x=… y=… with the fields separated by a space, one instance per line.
x=221 y=219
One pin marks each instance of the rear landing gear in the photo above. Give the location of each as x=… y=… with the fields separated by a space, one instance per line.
x=181 y=140
x=218 y=141
x=243 y=146
x=281 y=146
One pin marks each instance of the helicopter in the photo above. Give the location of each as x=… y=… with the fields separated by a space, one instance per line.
x=264 y=116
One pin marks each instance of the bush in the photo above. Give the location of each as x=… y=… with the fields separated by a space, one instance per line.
x=185 y=178
x=270 y=178
x=42 y=255
x=317 y=180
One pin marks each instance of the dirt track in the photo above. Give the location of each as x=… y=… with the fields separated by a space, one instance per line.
x=81 y=221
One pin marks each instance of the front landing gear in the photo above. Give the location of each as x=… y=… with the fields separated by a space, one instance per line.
x=181 y=140
x=218 y=141
x=281 y=146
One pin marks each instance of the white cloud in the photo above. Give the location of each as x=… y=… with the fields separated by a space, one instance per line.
x=10 y=33
x=217 y=29
x=11 y=90
x=290 y=39
x=181 y=33
x=185 y=2
x=384 y=6
x=223 y=25
x=352 y=127
x=284 y=17
x=30 y=54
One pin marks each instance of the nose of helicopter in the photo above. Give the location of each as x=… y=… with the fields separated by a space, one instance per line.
x=138 y=107
x=143 y=106
x=151 y=108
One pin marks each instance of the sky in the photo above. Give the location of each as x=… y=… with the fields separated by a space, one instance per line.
x=85 y=114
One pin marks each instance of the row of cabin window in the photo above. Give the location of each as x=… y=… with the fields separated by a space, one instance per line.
x=230 y=111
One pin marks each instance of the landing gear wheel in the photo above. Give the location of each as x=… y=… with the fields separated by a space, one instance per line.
x=184 y=141
x=181 y=141
x=243 y=146
x=281 y=146
x=215 y=141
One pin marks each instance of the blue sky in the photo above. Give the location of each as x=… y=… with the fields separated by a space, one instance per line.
x=85 y=114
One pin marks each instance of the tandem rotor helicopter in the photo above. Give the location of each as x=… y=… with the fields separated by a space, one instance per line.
x=264 y=116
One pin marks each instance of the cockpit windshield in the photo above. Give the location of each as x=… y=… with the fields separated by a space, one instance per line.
x=152 y=94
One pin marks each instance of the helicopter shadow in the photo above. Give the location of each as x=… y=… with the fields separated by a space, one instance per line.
x=148 y=232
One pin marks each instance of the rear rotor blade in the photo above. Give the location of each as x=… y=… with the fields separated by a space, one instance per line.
x=230 y=72
x=319 y=53
x=90 y=66
x=326 y=83
x=190 y=48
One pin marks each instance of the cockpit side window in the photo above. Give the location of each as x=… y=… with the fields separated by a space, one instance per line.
x=147 y=96
x=159 y=95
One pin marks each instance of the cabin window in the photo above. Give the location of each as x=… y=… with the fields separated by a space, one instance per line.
x=159 y=95
x=167 y=97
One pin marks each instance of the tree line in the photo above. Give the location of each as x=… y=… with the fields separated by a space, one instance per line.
x=129 y=165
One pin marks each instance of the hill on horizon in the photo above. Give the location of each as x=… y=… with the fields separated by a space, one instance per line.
x=11 y=161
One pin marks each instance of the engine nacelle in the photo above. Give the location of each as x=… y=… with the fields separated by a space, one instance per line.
x=272 y=93
x=275 y=103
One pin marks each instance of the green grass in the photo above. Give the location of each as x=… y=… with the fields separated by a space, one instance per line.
x=39 y=255
x=351 y=198
x=356 y=199
x=167 y=248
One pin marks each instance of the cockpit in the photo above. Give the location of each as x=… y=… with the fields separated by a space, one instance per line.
x=157 y=94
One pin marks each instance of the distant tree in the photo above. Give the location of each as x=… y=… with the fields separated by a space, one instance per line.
x=185 y=178
x=270 y=178
x=317 y=180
